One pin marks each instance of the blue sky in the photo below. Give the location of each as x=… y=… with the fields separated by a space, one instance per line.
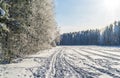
x=75 y=15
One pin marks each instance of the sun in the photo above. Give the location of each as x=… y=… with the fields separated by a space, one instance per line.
x=112 y=5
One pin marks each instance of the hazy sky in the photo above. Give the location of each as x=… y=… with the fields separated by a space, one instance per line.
x=75 y=15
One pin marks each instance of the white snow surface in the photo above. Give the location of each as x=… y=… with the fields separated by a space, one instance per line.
x=67 y=62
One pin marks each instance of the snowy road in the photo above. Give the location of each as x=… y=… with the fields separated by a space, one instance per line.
x=67 y=62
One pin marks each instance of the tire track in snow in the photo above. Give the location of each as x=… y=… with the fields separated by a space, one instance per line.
x=90 y=52
x=104 y=71
x=40 y=71
x=109 y=60
x=51 y=71
x=109 y=49
x=81 y=72
x=92 y=66
x=58 y=67
x=71 y=62
x=104 y=52
x=59 y=62
x=63 y=70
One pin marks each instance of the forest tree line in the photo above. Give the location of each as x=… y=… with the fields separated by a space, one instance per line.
x=109 y=36
x=25 y=28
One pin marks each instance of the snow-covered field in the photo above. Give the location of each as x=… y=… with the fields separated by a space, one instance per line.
x=67 y=62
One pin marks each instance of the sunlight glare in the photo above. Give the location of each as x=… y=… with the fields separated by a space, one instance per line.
x=112 y=5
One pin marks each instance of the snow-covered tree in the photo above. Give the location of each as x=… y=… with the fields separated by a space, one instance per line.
x=32 y=27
